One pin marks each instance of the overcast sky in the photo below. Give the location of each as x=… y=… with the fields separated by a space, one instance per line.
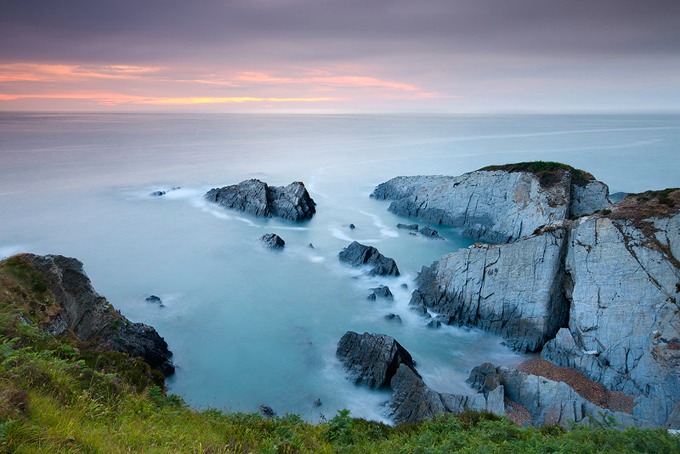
x=340 y=55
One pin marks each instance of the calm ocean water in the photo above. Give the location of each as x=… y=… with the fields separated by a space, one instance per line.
x=248 y=326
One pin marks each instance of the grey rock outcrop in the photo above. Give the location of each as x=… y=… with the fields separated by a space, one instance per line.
x=372 y=359
x=514 y=289
x=430 y=233
x=91 y=318
x=624 y=288
x=273 y=241
x=498 y=206
x=255 y=197
x=359 y=255
x=381 y=292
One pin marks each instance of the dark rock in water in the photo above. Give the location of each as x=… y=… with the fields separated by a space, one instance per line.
x=255 y=197
x=157 y=193
x=273 y=241
x=311 y=246
x=267 y=411
x=352 y=226
x=412 y=399
x=404 y=286
x=434 y=323
x=407 y=226
x=91 y=318
x=317 y=403
x=155 y=300
x=356 y=254
x=372 y=359
x=430 y=233
x=381 y=292
x=393 y=318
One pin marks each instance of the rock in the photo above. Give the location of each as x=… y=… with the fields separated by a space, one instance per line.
x=91 y=318
x=434 y=324
x=393 y=318
x=352 y=227
x=514 y=290
x=311 y=246
x=255 y=197
x=267 y=411
x=372 y=359
x=381 y=292
x=430 y=233
x=407 y=226
x=496 y=204
x=404 y=286
x=157 y=193
x=317 y=403
x=356 y=254
x=273 y=241
x=617 y=196
x=155 y=300
x=412 y=400
x=623 y=285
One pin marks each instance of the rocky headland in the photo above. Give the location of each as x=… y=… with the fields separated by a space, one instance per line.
x=257 y=198
x=69 y=306
x=593 y=286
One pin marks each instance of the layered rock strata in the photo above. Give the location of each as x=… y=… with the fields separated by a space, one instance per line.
x=257 y=198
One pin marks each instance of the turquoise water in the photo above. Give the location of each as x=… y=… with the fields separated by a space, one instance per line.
x=249 y=326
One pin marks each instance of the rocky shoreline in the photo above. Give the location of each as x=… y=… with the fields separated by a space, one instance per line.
x=593 y=286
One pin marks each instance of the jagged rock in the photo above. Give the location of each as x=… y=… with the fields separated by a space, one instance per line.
x=356 y=254
x=434 y=324
x=407 y=226
x=393 y=318
x=372 y=359
x=381 y=292
x=273 y=241
x=412 y=400
x=430 y=233
x=154 y=300
x=91 y=318
x=255 y=197
x=311 y=246
x=548 y=402
x=267 y=411
x=499 y=204
x=157 y=193
x=514 y=290
x=623 y=285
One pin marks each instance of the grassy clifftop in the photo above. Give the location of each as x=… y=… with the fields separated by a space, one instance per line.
x=548 y=172
x=61 y=395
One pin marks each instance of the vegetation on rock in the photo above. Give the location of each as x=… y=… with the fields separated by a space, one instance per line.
x=549 y=173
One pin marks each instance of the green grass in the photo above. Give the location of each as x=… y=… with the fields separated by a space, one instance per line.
x=548 y=172
x=58 y=395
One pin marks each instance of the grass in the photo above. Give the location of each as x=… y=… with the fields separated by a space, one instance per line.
x=548 y=172
x=58 y=395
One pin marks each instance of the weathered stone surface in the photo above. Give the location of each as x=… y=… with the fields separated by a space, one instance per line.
x=255 y=197
x=381 y=292
x=430 y=233
x=372 y=359
x=357 y=254
x=407 y=226
x=273 y=241
x=623 y=287
x=412 y=400
x=91 y=318
x=493 y=205
x=514 y=289
x=393 y=318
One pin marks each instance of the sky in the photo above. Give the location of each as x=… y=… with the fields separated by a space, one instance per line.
x=340 y=55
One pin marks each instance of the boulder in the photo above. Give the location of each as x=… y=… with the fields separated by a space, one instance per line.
x=407 y=226
x=381 y=292
x=514 y=290
x=91 y=318
x=359 y=255
x=497 y=204
x=393 y=318
x=255 y=197
x=430 y=233
x=372 y=359
x=273 y=241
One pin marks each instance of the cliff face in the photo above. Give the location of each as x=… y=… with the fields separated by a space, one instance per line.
x=85 y=313
x=514 y=290
x=598 y=293
x=498 y=206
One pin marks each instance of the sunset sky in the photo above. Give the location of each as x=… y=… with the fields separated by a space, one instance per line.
x=340 y=55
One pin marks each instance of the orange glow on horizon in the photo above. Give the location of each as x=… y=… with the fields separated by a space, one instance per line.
x=227 y=100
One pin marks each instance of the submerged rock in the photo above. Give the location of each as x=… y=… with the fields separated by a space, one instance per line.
x=154 y=300
x=356 y=254
x=157 y=193
x=90 y=317
x=381 y=292
x=407 y=226
x=255 y=197
x=430 y=233
x=393 y=318
x=273 y=241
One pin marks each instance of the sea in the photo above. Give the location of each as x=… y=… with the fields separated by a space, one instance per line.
x=249 y=326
